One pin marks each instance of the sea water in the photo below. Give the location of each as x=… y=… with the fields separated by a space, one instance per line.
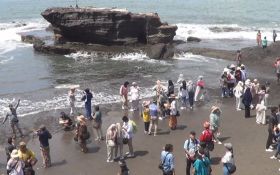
x=42 y=80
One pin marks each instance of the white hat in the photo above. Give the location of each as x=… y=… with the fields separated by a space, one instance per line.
x=200 y=77
x=14 y=154
x=134 y=84
x=232 y=66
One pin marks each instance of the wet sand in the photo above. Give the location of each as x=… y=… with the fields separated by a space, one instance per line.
x=247 y=137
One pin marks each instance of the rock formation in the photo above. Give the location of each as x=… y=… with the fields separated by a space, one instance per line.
x=108 y=26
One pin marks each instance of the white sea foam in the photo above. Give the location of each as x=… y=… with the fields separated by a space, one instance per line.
x=191 y=57
x=6 y=60
x=28 y=107
x=223 y=31
x=67 y=86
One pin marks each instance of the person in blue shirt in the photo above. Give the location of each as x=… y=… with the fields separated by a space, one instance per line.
x=191 y=147
x=167 y=160
x=44 y=137
x=87 y=99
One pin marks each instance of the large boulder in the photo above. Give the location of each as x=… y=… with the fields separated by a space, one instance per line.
x=160 y=51
x=193 y=39
x=108 y=26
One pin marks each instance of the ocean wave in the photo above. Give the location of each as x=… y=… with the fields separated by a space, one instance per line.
x=221 y=31
x=187 y=56
x=4 y=61
x=60 y=102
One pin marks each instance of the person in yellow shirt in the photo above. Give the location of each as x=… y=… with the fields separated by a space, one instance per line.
x=146 y=116
x=28 y=157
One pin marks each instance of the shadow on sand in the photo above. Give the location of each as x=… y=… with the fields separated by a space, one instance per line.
x=60 y=163
x=215 y=160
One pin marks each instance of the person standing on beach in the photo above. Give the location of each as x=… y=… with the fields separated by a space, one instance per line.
x=200 y=89
x=111 y=136
x=135 y=96
x=201 y=164
x=238 y=92
x=128 y=129
x=9 y=147
x=191 y=91
x=28 y=157
x=224 y=83
x=228 y=160
x=146 y=116
x=44 y=136
x=154 y=113
x=247 y=99
x=15 y=165
x=191 y=147
x=180 y=79
x=87 y=99
x=260 y=113
x=215 y=120
x=167 y=160
x=183 y=94
x=238 y=57
x=243 y=73
x=82 y=134
x=13 y=119
x=173 y=112
x=259 y=38
x=72 y=100
x=97 y=123
x=119 y=142
x=159 y=90
x=124 y=95
x=170 y=89
x=277 y=67
x=264 y=43
x=272 y=123
x=274 y=36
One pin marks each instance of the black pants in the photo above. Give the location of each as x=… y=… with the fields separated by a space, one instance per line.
x=189 y=165
x=146 y=125
x=191 y=98
x=269 y=139
x=247 y=112
x=168 y=173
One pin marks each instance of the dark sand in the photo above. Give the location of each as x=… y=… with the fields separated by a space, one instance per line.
x=247 y=137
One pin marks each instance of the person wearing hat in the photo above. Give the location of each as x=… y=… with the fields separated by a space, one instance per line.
x=154 y=113
x=173 y=112
x=28 y=157
x=87 y=97
x=124 y=95
x=15 y=165
x=146 y=116
x=215 y=123
x=13 y=119
x=72 y=100
x=238 y=92
x=228 y=159
x=82 y=134
x=44 y=136
x=247 y=99
x=135 y=96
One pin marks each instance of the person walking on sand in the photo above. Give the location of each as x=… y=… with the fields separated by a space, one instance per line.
x=87 y=99
x=215 y=120
x=238 y=92
x=28 y=157
x=124 y=95
x=228 y=160
x=128 y=129
x=111 y=136
x=82 y=134
x=167 y=160
x=191 y=91
x=247 y=99
x=274 y=36
x=97 y=124
x=44 y=136
x=154 y=113
x=119 y=142
x=264 y=43
x=135 y=96
x=72 y=100
x=191 y=147
x=200 y=89
x=13 y=119
x=184 y=95
x=277 y=138
x=272 y=123
x=173 y=112
x=15 y=165
x=146 y=116
x=259 y=38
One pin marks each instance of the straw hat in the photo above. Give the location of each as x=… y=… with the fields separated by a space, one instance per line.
x=242 y=65
x=228 y=146
x=14 y=154
x=232 y=66
x=214 y=108
x=206 y=124
x=22 y=144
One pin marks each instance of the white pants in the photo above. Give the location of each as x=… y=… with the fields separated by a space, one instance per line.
x=238 y=102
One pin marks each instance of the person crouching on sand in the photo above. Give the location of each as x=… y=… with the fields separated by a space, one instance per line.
x=65 y=121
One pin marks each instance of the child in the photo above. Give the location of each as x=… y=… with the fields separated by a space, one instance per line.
x=146 y=116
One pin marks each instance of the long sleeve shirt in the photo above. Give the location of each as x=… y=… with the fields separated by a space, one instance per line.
x=167 y=159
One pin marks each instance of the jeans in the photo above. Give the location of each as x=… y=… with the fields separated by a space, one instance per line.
x=224 y=92
x=269 y=139
x=225 y=170
x=278 y=150
x=184 y=101
x=191 y=98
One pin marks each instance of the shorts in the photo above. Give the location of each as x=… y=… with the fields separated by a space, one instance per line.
x=154 y=121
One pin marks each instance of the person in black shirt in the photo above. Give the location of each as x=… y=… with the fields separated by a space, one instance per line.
x=44 y=137
x=271 y=125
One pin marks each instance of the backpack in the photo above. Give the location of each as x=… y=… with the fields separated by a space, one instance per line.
x=207 y=138
x=134 y=126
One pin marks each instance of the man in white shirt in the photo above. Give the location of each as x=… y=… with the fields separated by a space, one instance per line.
x=128 y=129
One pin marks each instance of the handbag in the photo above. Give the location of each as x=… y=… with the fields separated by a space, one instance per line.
x=111 y=143
x=161 y=164
x=230 y=167
x=125 y=140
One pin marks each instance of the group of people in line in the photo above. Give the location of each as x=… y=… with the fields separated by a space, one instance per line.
x=263 y=42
